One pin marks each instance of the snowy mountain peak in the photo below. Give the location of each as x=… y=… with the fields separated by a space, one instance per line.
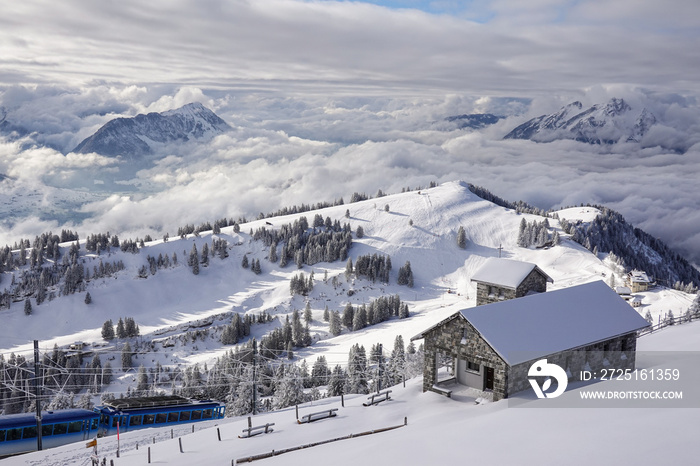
x=599 y=124
x=137 y=136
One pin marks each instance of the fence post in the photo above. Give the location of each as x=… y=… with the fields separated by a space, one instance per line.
x=218 y=433
x=171 y=434
x=179 y=439
x=193 y=428
x=297 y=410
x=250 y=422
x=149 y=455
x=137 y=445
x=342 y=400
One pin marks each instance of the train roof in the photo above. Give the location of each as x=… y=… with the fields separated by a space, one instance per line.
x=151 y=402
x=47 y=417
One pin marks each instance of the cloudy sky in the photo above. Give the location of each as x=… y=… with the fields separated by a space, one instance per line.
x=331 y=97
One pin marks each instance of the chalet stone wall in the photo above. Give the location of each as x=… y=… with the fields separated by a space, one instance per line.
x=535 y=281
x=616 y=353
x=486 y=294
x=449 y=339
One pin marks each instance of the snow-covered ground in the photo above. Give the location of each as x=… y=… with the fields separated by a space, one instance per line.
x=439 y=431
x=171 y=302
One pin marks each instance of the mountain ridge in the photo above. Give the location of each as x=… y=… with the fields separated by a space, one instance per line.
x=137 y=136
x=600 y=124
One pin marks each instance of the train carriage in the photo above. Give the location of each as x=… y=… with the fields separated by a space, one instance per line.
x=18 y=433
x=128 y=414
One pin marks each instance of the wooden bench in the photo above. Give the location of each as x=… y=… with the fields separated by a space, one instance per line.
x=377 y=398
x=317 y=416
x=253 y=431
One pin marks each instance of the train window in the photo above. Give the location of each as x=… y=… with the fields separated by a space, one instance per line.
x=14 y=434
x=196 y=414
x=46 y=430
x=185 y=415
x=172 y=417
x=2 y=435
x=59 y=429
x=148 y=418
x=161 y=418
x=207 y=414
x=29 y=432
x=74 y=427
x=114 y=421
x=94 y=424
x=135 y=421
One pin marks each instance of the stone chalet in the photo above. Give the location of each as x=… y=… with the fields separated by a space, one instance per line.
x=493 y=346
x=502 y=279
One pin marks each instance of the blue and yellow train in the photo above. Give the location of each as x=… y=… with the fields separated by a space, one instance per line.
x=18 y=432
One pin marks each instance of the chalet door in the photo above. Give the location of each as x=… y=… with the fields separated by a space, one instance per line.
x=488 y=379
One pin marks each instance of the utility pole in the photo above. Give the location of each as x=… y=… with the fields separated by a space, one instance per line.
x=37 y=395
x=500 y=248
x=255 y=352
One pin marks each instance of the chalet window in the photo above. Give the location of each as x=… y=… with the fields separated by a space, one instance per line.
x=492 y=291
x=472 y=366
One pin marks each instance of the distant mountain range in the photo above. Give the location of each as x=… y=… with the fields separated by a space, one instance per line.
x=474 y=120
x=138 y=136
x=600 y=124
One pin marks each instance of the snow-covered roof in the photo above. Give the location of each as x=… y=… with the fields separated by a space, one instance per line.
x=507 y=273
x=531 y=327
x=623 y=290
x=638 y=276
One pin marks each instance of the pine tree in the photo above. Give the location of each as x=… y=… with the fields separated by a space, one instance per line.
x=290 y=389
x=335 y=324
x=405 y=275
x=336 y=383
x=462 y=238
x=348 y=316
x=142 y=380
x=308 y=316
x=272 y=256
x=360 y=232
x=205 y=256
x=326 y=314
x=348 y=269
x=121 y=330
x=256 y=267
x=108 y=330
x=126 y=356
x=193 y=260
x=88 y=298
x=28 y=306
x=244 y=262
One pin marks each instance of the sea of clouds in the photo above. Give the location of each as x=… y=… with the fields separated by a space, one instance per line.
x=291 y=149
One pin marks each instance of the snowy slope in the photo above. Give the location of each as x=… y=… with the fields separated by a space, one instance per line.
x=439 y=431
x=174 y=300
